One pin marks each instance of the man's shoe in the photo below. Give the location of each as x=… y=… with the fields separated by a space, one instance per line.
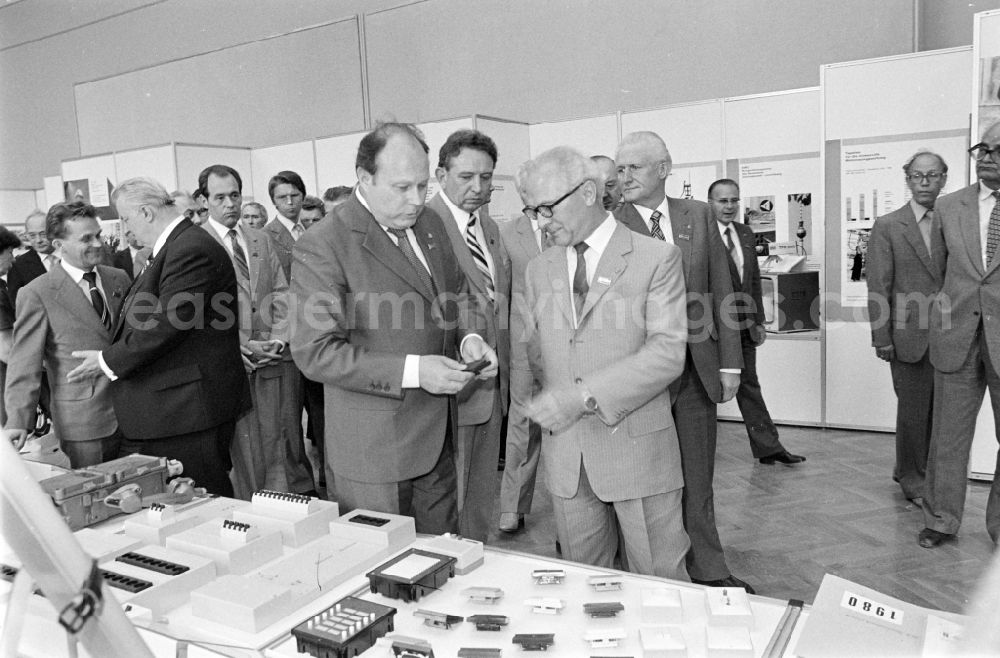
x=784 y=457
x=511 y=522
x=728 y=581
x=931 y=538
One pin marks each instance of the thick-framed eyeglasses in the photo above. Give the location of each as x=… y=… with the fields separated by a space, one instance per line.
x=930 y=177
x=981 y=150
x=545 y=210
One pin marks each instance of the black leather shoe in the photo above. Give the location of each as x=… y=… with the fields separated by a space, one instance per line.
x=784 y=457
x=728 y=581
x=931 y=538
x=511 y=522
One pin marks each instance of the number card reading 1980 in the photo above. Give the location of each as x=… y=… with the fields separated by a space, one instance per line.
x=873 y=609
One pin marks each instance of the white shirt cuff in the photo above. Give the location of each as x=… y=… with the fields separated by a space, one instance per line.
x=734 y=371
x=411 y=371
x=104 y=366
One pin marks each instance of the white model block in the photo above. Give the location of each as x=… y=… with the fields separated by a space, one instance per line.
x=468 y=553
x=728 y=606
x=941 y=637
x=661 y=605
x=103 y=546
x=230 y=557
x=153 y=528
x=296 y=526
x=168 y=591
x=400 y=531
x=246 y=604
x=662 y=642
x=604 y=638
x=728 y=642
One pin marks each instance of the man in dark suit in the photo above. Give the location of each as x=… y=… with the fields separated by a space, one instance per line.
x=382 y=308
x=35 y=262
x=714 y=357
x=739 y=240
x=70 y=308
x=132 y=258
x=965 y=344
x=906 y=261
x=178 y=382
x=465 y=173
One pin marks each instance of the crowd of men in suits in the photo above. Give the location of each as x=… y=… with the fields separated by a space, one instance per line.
x=604 y=324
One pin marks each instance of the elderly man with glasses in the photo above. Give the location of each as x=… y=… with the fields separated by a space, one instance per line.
x=965 y=343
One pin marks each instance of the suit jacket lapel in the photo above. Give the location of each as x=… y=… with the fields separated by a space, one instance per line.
x=631 y=218
x=969 y=224
x=458 y=244
x=245 y=285
x=609 y=268
x=155 y=265
x=746 y=238
x=70 y=296
x=114 y=295
x=526 y=237
x=680 y=226
x=911 y=231
x=253 y=263
x=557 y=272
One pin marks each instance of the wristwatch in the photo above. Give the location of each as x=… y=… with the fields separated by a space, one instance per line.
x=589 y=401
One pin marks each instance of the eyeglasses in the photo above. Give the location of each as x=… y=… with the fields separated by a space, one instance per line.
x=34 y=236
x=545 y=210
x=981 y=150
x=930 y=177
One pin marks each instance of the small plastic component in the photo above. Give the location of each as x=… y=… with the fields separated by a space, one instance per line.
x=411 y=647
x=545 y=606
x=605 y=583
x=483 y=594
x=548 y=576
x=534 y=641
x=604 y=638
x=347 y=628
x=365 y=519
x=488 y=622
x=436 y=619
x=153 y=564
x=479 y=652
x=126 y=583
x=599 y=610
x=411 y=575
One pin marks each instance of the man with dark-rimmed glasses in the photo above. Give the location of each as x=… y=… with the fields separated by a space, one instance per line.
x=965 y=343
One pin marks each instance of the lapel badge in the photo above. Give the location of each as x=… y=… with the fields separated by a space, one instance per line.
x=683 y=236
x=604 y=281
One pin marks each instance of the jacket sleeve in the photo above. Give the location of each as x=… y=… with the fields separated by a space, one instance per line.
x=24 y=370
x=881 y=272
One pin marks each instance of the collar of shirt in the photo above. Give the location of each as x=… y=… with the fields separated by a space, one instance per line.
x=918 y=210
x=132 y=251
x=461 y=217
x=722 y=231
x=162 y=238
x=537 y=232
x=76 y=274
x=597 y=242
x=287 y=223
x=647 y=213
x=364 y=202
x=223 y=233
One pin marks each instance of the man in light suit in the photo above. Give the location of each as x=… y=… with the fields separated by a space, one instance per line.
x=714 y=356
x=267 y=449
x=177 y=379
x=739 y=240
x=523 y=240
x=607 y=334
x=465 y=172
x=382 y=308
x=72 y=307
x=906 y=261
x=965 y=344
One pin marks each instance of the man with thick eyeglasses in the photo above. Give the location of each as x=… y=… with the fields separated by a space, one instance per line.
x=714 y=354
x=906 y=261
x=606 y=333
x=965 y=344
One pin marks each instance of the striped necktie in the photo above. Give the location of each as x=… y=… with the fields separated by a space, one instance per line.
x=655 y=230
x=993 y=230
x=97 y=299
x=479 y=257
x=239 y=256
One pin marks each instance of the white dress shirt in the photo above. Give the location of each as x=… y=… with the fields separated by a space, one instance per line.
x=223 y=232
x=76 y=274
x=986 y=203
x=461 y=218
x=537 y=232
x=596 y=242
x=735 y=237
x=290 y=225
x=647 y=213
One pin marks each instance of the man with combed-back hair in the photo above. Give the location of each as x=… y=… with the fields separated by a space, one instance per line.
x=177 y=378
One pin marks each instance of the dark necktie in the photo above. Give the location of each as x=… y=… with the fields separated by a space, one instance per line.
x=411 y=255
x=239 y=255
x=97 y=299
x=655 y=230
x=580 y=285
x=479 y=257
x=733 y=253
x=993 y=230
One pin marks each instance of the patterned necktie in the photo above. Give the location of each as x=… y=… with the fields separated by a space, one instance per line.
x=297 y=232
x=580 y=285
x=239 y=256
x=51 y=259
x=479 y=257
x=411 y=255
x=655 y=229
x=733 y=253
x=993 y=230
x=139 y=261
x=924 y=225
x=97 y=299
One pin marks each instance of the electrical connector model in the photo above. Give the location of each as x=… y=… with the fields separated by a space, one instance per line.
x=598 y=610
x=436 y=619
x=347 y=628
x=411 y=647
x=488 y=622
x=411 y=575
x=534 y=641
x=548 y=576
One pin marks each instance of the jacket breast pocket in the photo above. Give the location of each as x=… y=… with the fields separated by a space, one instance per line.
x=177 y=377
x=74 y=391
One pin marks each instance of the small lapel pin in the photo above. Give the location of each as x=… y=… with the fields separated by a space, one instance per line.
x=683 y=236
x=604 y=281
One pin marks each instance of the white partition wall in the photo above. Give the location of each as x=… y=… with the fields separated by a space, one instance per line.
x=592 y=135
x=157 y=162
x=15 y=206
x=53 y=190
x=875 y=114
x=192 y=158
x=335 y=157
x=266 y=162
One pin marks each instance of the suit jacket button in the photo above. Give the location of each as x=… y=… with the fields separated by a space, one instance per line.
x=578 y=380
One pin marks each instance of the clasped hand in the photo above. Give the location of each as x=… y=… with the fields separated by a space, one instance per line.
x=443 y=376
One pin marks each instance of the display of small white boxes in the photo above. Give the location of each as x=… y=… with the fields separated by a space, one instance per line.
x=728 y=606
x=604 y=638
x=155 y=524
x=545 y=606
x=300 y=519
x=380 y=528
x=468 y=553
x=728 y=642
x=235 y=547
x=661 y=605
x=662 y=642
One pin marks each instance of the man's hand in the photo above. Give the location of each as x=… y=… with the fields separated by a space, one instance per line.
x=247 y=355
x=886 y=352
x=556 y=410
x=440 y=375
x=475 y=348
x=16 y=437
x=89 y=369
x=265 y=352
x=730 y=384
x=758 y=334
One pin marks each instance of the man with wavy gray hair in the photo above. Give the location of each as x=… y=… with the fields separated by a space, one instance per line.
x=174 y=362
x=607 y=334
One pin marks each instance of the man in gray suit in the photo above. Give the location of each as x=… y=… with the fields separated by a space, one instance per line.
x=465 y=172
x=714 y=355
x=70 y=308
x=382 y=310
x=267 y=449
x=607 y=333
x=906 y=262
x=965 y=344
